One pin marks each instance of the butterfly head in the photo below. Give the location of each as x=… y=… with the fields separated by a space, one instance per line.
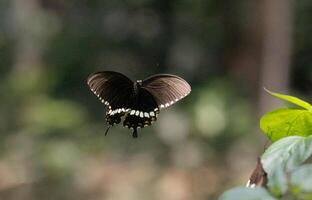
x=139 y=82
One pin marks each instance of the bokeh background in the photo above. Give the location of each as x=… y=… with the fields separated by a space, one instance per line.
x=52 y=143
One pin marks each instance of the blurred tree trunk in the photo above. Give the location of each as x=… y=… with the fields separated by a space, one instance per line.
x=262 y=57
x=276 y=18
x=25 y=23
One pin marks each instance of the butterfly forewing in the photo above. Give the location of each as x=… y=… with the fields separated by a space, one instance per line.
x=113 y=89
x=166 y=88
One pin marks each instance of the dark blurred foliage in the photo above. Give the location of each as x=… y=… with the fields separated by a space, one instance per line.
x=52 y=127
x=302 y=66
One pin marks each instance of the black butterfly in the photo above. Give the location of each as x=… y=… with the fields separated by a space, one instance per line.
x=138 y=101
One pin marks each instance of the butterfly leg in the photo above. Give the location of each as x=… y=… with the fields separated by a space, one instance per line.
x=107 y=130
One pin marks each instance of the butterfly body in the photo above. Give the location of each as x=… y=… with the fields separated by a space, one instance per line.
x=138 y=102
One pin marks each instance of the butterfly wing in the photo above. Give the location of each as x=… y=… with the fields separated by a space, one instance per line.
x=113 y=89
x=166 y=88
x=143 y=111
x=258 y=176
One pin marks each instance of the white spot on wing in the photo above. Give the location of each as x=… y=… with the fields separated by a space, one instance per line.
x=248 y=183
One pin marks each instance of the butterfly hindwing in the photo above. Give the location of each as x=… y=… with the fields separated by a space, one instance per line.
x=166 y=88
x=143 y=111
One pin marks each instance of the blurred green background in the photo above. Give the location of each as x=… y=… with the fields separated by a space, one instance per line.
x=52 y=127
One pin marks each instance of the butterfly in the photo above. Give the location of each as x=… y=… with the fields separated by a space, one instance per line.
x=136 y=103
x=258 y=177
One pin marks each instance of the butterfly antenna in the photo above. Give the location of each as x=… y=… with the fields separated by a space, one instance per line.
x=107 y=130
x=135 y=133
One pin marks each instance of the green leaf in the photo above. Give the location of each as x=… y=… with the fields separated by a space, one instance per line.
x=286 y=122
x=243 y=193
x=278 y=181
x=301 y=179
x=288 y=152
x=291 y=99
x=284 y=156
